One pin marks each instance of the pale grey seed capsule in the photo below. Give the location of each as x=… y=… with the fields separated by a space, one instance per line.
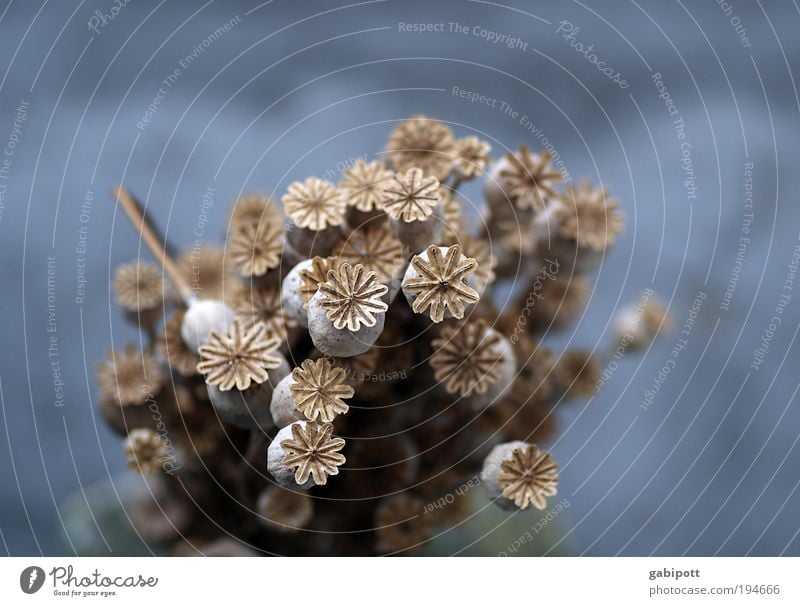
x=508 y=371
x=283 y=409
x=203 y=316
x=549 y=243
x=491 y=470
x=291 y=298
x=275 y=455
x=249 y=409
x=340 y=343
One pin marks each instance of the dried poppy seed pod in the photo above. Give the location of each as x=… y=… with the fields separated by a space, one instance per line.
x=442 y=281
x=516 y=475
x=201 y=318
x=637 y=324
x=139 y=290
x=294 y=304
x=284 y=511
x=578 y=227
x=347 y=314
x=145 y=450
x=499 y=201
x=340 y=342
x=301 y=283
x=474 y=361
x=525 y=179
x=362 y=188
x=315 y=390
x=282 y=406
x=490 y=472
x=304 y=454
x=316 y=208
x=283 y=474
x=412 y=202
x=507 y=370
x=250 y=408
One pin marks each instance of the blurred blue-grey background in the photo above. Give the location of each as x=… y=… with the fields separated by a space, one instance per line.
x=287 y=89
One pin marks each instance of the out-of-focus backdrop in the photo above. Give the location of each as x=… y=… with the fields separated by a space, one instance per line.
x=679 y=107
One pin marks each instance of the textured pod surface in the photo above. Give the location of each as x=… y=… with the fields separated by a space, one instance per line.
x=284 y=412
x=201 y=318
x=491 y=469
x=341 y=343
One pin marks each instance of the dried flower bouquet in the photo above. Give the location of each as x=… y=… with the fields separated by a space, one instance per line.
x=332 y=378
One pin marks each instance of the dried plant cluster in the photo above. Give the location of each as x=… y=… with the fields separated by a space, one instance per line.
x=333 y=370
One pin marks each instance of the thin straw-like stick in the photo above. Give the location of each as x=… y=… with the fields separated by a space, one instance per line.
x=136 y=214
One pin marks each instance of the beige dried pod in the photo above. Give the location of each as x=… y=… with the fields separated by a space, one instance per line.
x=472 y=157
x=440 y=281
x=250 y=408
x=254 y=209
x=254 y=249
x=375 y=247
x=516 y=475
x=347 y=314
x=361 y=186
x=316 y=390
x=145 y=450
x=412 y=202
x=578 y=373
x=422 y=142
x=316 y=208
x=239 y=357
x=474 y=361
x=284 y=510
x=578 y=227
x=179 y=357
x=129 y=377
x=521 y=182
x=139 y=290
x=304 y=454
